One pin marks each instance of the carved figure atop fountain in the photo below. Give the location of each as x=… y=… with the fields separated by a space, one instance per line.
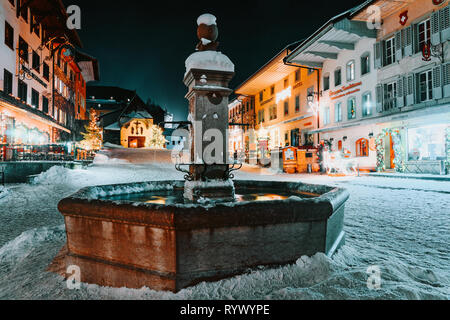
x=208 y=73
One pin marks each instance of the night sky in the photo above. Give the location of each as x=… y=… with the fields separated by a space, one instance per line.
x=141 y=46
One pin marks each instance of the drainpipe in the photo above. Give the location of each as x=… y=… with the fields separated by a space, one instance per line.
x=318 y=87
x=53 y=88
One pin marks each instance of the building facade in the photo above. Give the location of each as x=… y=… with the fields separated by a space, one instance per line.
x=282 y=113
x=385 y=87
x=42 y=76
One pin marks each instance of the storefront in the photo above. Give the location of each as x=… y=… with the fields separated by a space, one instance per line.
x=21 y=129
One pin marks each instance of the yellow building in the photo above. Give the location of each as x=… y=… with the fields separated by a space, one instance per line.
x=283 y=114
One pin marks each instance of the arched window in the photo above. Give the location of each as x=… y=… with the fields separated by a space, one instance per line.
x=142 y=130
x=132 y=130
x=362 y=148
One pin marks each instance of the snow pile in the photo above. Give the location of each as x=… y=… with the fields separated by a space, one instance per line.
x=207 y=19
x=3 y=192
x=104 y=159
x=20 y=247
x=209 y=60
x=54 y=176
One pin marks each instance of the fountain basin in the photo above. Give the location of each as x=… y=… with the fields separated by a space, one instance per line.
x=122 y=241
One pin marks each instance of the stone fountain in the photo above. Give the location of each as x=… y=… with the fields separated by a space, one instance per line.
x=168 y=235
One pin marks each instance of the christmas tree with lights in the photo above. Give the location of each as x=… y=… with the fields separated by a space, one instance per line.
x=93 y=136
x=157 y=140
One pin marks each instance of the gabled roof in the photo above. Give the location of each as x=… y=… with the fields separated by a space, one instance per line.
x=340 y=32
x=273 y=71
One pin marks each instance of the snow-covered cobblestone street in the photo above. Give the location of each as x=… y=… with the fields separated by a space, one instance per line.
x=400 y=225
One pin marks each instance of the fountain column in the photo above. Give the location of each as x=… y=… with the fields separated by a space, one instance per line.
x=208 y=73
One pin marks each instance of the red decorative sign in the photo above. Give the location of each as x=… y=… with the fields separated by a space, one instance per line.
x=404 y=17
x=426 y=52
x=438 y=2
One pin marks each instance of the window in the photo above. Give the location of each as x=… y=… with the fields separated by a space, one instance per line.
x=367 y=104
x=23 y=10
x=65 y=67
x=273 y=112
x=7 y=81
x=23 y=49
x=36 y=62
x=36 y=26
x=326 y=116
x=338 y=112
x=272 y=90
x=337 y=77
x=297 y=104
x=365 y=64
x=44 y=104
x=286 y=108
x=22 y=91
x=326 y=82
x=9 y=35
x=260 y=116
x=340 y=146
x=362 y=148
x=423 y=34
x=351 y=71
x=34 y=99
x=46 y=72
x=286 y=83
x=390 y=96
x=389 y=51
x=297 y=75
x=261 y=96
x=425 y=86
x=351 y=108
x=427 y=143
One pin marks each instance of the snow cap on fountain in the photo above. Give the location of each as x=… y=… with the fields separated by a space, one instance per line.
x=207 y=19
x=209 y=60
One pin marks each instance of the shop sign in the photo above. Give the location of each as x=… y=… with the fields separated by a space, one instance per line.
x=344 y=91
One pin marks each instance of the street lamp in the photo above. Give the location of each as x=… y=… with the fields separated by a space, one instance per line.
x=314 y=106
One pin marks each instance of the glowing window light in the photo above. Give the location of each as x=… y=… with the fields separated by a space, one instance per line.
x=283 y=95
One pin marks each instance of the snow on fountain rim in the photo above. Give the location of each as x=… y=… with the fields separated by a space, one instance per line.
x=209 y=60
x=330 y=195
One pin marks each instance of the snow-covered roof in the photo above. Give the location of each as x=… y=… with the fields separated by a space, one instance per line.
x=209 y=60
x=113 y=127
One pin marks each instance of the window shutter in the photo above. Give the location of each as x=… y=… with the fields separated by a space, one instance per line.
x=377 y=55
x=379 y=98
x=410 y=90
x=400 y=92
x=407 y=41
x=398 y=46
x=437 y=83
x=446 y=79
x=435 y=28
x=444 y=16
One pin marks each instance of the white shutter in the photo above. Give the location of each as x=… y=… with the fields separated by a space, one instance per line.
x=437 y=83
x=435 y=28
x=379 y=98
x=401 y=92
x=407 y=41
x=444 y=17
x=446 y=79
x=410 y=90
x=377 y=55
x=398 y=46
